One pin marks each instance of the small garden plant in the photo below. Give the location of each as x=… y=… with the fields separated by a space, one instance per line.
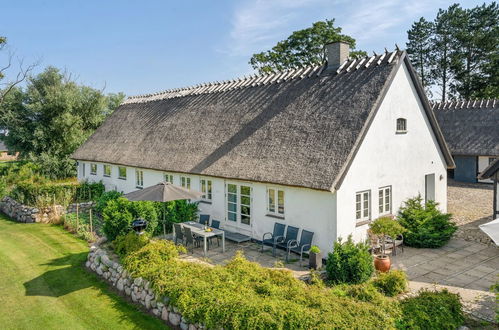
x=349 y=262
x=386 y=227
x=426 y=225
x=391 y=283
x=315 y=249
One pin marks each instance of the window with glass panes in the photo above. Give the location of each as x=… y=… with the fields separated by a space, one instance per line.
x=385 y=200
x=206 y=189
x=93 y=169
x=122 y=172
x=401 y=125
x=107 y=170
x=362 y=205
x=275 y=203
x=185 y=182
x=168 y=177
x=139 y=178
x=239 y=204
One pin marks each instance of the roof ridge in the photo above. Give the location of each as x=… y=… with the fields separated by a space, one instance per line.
x=464 y=104
x=258 y=79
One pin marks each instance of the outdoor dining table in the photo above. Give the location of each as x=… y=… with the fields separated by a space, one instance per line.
x=198 y=229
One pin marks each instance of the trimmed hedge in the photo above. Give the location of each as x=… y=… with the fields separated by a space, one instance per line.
x=131 y=242
x=63 y=193
x=431 y=310
x=391 y=283
x=244 y=295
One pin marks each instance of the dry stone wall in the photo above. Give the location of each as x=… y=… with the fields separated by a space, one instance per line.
x=107 y=266
x=28 y=214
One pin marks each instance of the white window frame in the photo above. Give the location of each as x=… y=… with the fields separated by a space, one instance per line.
x=185 y=182
x=206 y=186
x=119 y=175
x=401 y=129
x=139 y=178
x=385 y=200
x=277 y=209
x=363 y=199
x=168 y=177
x=239 y=205
x=93 y=169
x=104 y=170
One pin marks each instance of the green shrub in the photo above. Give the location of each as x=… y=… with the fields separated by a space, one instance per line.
x=80 y=227
x=119 y=214
x=391 y=283
x=431 y=310
x=426 y=225
x=131 y=242
x=364 y=292
x=349 y=262
x=244 y=295
x=176 y=212
x=101 y=202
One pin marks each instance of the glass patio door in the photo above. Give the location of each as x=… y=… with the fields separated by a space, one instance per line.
x=239 y=205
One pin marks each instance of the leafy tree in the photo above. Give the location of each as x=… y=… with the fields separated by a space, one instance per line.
x=52 y=117
x=419 y=48
x=301 y=48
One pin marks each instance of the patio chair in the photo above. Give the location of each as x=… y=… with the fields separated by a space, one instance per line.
x=373 y=242
x=190 y=239
x=275 y=237
x=215 y=224
x=179 y=234
x=303 y=246
x=204 y=219
x=291 y=235
x=399 y=241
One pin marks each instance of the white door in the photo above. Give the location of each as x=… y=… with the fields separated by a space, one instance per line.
x=429 y=187
x=238 y=201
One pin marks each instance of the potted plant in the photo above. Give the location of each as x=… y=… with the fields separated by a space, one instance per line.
x=385 y=227
x=315 y=257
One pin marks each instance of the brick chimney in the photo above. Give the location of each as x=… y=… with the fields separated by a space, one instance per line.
x=336 y=54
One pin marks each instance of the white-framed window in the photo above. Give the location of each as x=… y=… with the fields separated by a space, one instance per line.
x=206 y=189
x=239 y=203
x=107 y=170
x=122 y=172
x=363 y=205
x=401 y=125
x=185 y=182
x=385 y=200
x=275 y=201
x=93 y=169
x=139 y=178
x=168 y=177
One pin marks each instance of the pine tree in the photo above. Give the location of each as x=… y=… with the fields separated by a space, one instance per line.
x=419 y=49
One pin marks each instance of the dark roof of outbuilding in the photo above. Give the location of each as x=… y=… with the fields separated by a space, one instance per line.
x=490 y=170
x=300 y=127
x=470 y=127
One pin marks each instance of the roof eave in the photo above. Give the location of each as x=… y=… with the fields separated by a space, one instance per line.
x=489 y=171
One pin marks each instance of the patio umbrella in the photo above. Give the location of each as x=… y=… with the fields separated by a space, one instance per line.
x=163 y=192
x=492 y=230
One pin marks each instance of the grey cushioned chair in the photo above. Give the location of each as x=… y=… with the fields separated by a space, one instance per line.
x=303 y=246
x=179 y=234
x=291 y=235
x=204 y=219
x=275 y=237
x=190 y=239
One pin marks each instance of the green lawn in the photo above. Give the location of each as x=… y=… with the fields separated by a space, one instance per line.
x=44 y=284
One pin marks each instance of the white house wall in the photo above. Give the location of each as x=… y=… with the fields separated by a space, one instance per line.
x=389 y=159
x=308 y=209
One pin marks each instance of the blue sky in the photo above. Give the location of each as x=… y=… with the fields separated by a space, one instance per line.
x=147 y=46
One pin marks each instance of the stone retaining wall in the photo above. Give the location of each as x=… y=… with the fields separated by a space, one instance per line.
x=28 y=214
x=107 y=266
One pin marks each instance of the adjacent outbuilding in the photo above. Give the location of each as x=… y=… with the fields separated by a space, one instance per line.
x=492 y=173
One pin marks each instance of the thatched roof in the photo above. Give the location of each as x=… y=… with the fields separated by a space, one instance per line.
x=300 y=127
x=490 y=170
x=470 y=127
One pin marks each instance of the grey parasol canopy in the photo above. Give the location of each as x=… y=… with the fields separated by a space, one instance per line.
x=163 y=192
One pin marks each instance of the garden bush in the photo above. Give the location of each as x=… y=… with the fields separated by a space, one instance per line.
x=119 y=214
x=391 y=283
x=349 y=262
x=80 y=227
x=176 y=212
x=131 y=242
x=427 y=226
x=431 y=310
x=107 y=196
x=244 y=295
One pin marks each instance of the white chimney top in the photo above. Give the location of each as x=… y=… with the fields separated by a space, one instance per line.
x=337 y=53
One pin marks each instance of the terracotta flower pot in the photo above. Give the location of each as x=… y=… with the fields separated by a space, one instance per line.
x=382 y=263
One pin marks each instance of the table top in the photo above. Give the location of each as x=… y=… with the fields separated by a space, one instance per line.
x=198 y=229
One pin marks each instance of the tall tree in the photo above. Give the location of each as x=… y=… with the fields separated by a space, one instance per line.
x=52 y=117
x=419 y=48
x=301 y=48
